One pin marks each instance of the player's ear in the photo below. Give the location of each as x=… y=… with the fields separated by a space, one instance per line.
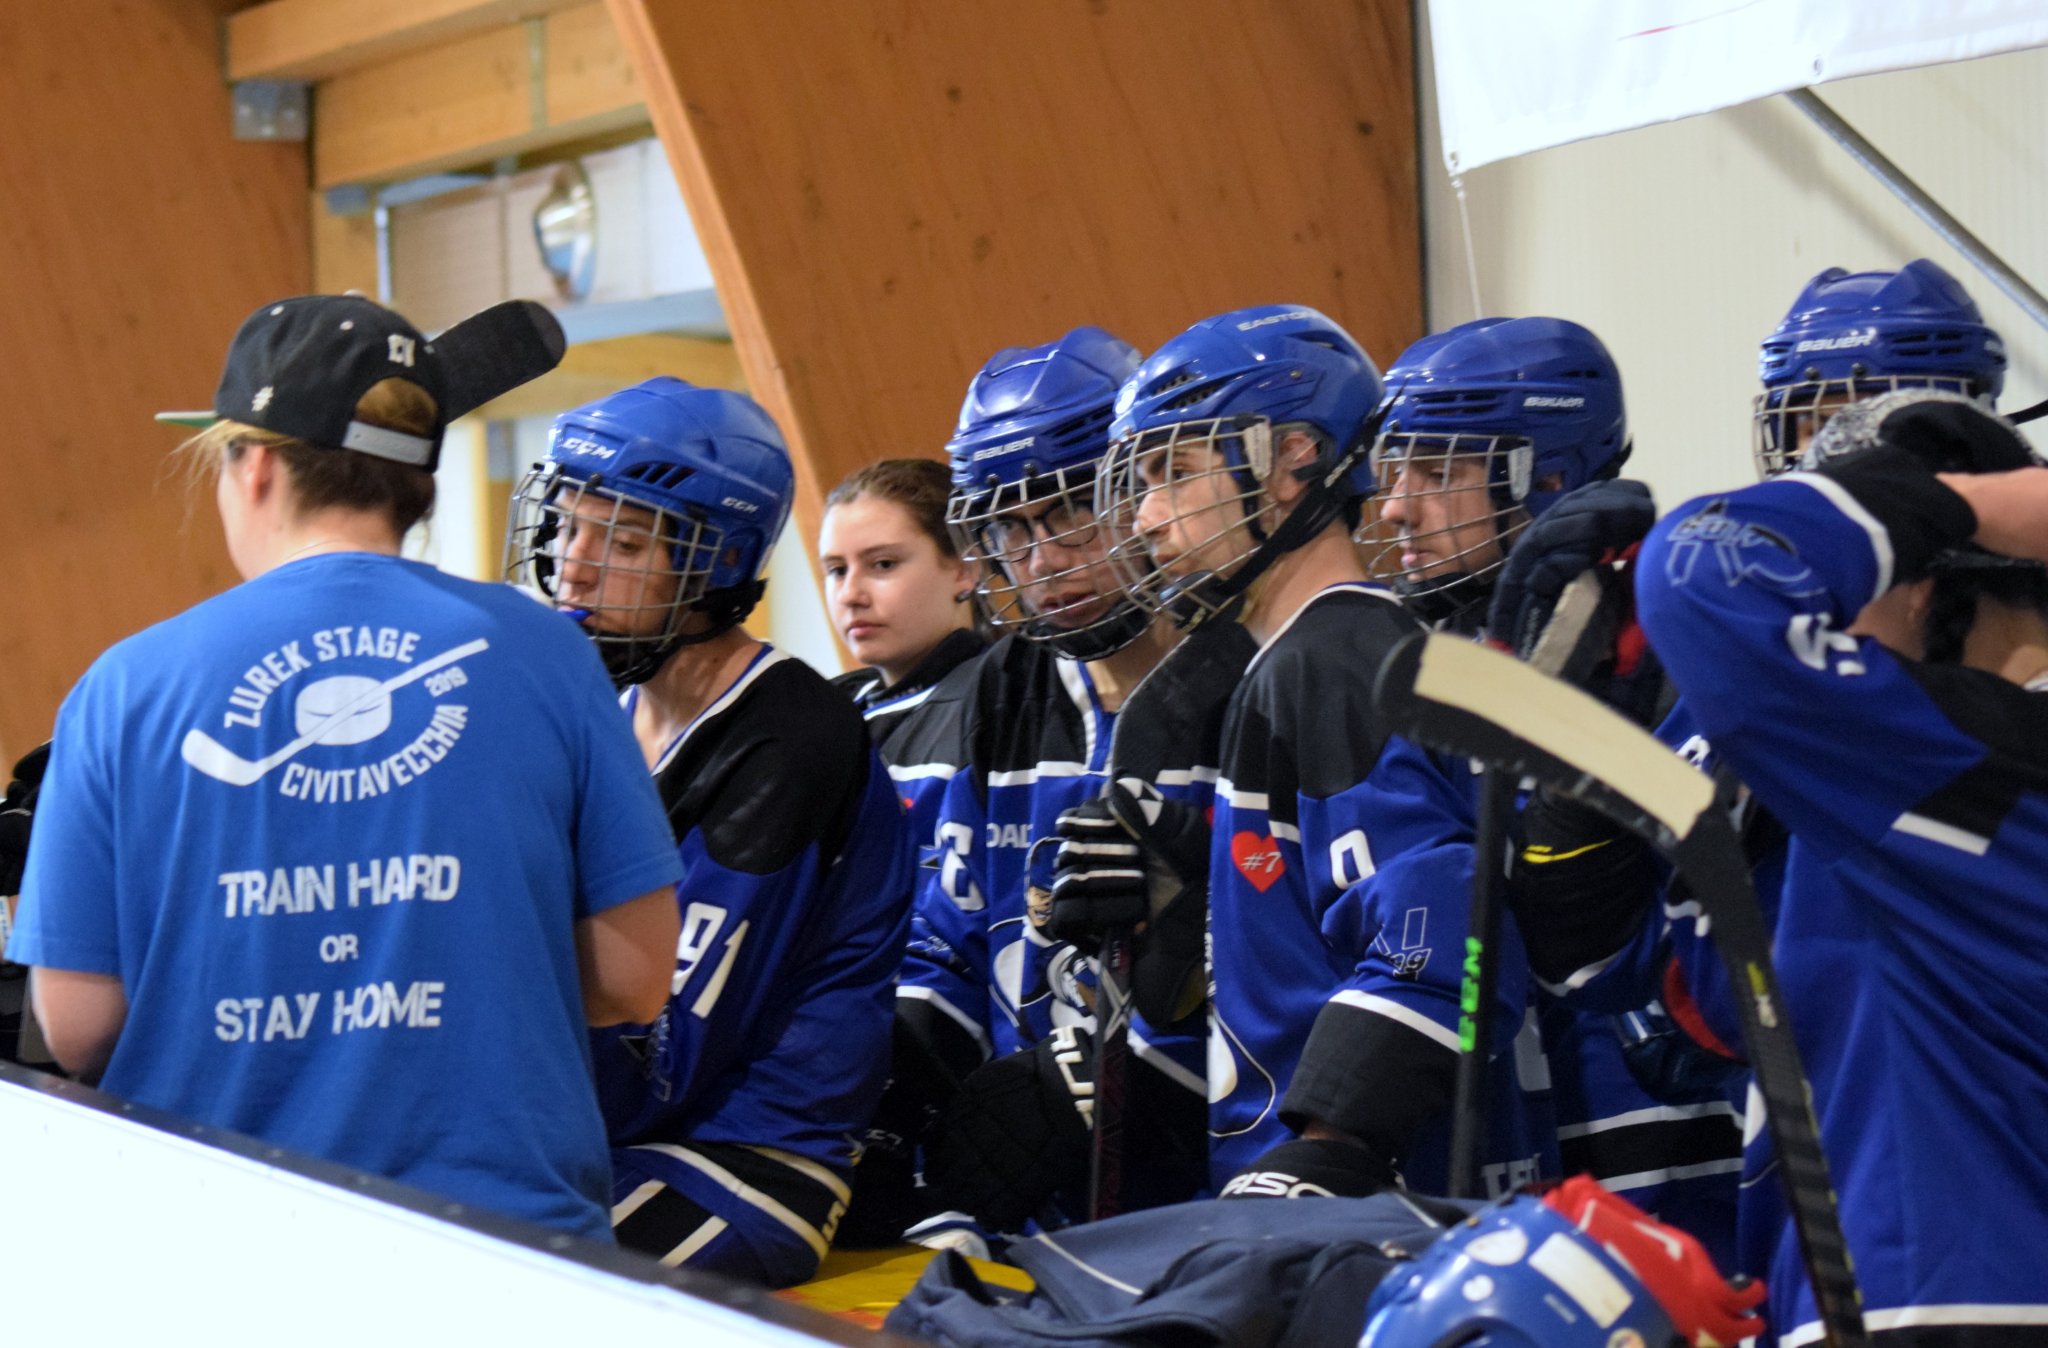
x=256 y=473
x=1296 y=450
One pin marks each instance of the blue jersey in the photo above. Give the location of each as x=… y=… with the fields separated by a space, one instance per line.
x=333 y=830
x=1036 y=743
x=1340 y=891
x=1912 y=925
x=1648 y=1098
x=794 y=899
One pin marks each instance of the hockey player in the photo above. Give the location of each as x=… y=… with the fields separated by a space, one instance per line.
x=1852 y=335
x=1339 y=863
x=982 y=982
x=733 y=1114
x=1877 y=683
x=1488 y=427
x=346 y=857
x=901 y=598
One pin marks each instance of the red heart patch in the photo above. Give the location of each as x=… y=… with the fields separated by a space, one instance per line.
x=1259 y=858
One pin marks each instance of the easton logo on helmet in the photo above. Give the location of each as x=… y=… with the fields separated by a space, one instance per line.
x=1561 y=404
x=1271 y=319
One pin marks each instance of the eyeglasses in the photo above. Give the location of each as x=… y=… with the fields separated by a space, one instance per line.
x=1009 y=536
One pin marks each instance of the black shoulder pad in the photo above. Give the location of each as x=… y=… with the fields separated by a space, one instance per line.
x=780 y=769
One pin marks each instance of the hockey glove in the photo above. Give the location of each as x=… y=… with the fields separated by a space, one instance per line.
x=928 y=1058
x=1016 y=1132
x=1123 y=857
x=1591 y=532
x=1312 y=1168
x=16 y=810
x=1886 y=451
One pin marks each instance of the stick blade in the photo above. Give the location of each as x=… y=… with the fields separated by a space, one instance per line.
x=495 y=350
x=204 y=754
x=1459 y=697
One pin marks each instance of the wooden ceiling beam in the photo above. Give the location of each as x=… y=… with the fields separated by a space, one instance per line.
x=509 y=90
x=316 y=39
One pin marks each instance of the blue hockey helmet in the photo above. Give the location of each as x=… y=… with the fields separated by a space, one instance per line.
x=1854 y=335
x=1516 y=1275
x=1032 y=430
x=1495 y=419
x=1199 y=427
x=656 y=502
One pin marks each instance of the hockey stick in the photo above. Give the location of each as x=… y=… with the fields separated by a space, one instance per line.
x=1462 y=698
x=1482 y=965
x=1173 y=718
x=1565 y=635
x=223 y=764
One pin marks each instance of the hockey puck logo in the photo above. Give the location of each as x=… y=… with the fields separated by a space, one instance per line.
x=343 y=709
x=1258 y=858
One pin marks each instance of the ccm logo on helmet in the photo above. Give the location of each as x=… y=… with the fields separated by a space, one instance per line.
x=1848 y=341
x=1272 y=1184
x=576 y=444
x=994 y=450
x=1559 y=404
x=737 y=504
x=1270 y=319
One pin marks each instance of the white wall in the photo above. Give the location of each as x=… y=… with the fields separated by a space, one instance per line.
x=1682 y=245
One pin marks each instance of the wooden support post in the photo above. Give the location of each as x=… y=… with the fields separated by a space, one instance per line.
x=889 y=191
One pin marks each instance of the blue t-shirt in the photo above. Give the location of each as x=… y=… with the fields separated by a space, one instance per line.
x=333 y=830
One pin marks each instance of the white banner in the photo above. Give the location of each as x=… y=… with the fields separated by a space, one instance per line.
x=1519 y=75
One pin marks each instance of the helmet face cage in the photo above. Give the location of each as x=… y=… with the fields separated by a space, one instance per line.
x=997 y=529
x=1489 y=505
x=1198 y=488
x=634 y=583
x=1790 y=415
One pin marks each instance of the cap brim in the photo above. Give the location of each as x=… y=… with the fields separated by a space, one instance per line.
x=196 y=420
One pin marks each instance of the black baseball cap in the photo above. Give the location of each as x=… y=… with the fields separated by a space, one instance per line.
x=300 y=366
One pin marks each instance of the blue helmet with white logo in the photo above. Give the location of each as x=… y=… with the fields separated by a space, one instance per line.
x=1853 y=335
x=1485 y=426
x=660 y=501
x=1516 y=1275
x=1032 y=430
x=1218 y=402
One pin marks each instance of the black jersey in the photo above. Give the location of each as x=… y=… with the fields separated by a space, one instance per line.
x=915 y=723
x=794 y=898
x=1340 y=888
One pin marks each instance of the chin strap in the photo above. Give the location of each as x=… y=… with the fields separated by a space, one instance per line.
x=1449 y=603
x=637 y=662
x=1203 y=597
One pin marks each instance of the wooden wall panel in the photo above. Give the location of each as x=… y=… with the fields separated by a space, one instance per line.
x=136 y=234
x=890 y=190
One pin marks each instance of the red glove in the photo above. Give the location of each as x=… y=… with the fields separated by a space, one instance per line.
x=1707 y=1310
